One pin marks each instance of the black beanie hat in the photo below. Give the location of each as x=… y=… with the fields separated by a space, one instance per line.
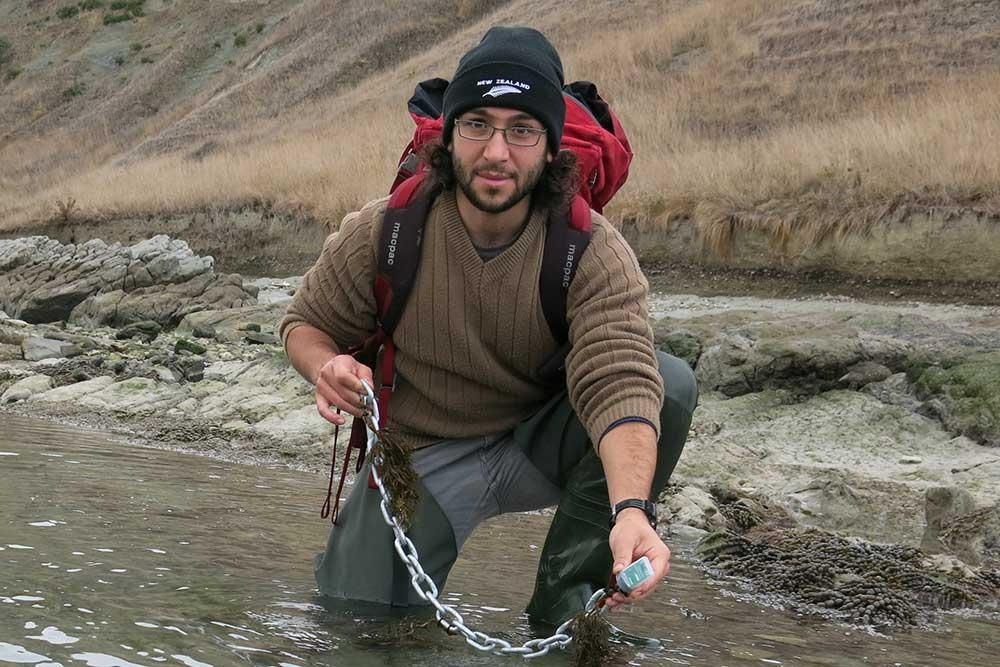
x=514 y=68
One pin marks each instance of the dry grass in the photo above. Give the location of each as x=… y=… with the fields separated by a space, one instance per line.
x=323 y=174
x=805 y=120
x=749 y=120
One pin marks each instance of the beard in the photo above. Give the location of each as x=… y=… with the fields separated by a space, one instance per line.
x=487 y=199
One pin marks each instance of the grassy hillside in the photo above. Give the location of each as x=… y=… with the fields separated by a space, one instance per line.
x=806 y=119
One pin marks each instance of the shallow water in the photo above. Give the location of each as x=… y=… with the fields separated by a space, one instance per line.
x=112 y=555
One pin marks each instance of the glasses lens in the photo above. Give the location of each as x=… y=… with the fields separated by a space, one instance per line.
x=473 y=129
x=523 y=136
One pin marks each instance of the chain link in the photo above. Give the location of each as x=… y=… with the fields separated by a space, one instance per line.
x=447 y=616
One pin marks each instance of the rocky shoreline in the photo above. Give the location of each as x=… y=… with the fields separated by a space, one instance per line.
x=871 y=421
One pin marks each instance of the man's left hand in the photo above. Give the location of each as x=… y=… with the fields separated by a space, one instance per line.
x=632 y=538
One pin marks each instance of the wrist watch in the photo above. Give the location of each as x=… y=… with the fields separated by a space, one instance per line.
x=647 y=506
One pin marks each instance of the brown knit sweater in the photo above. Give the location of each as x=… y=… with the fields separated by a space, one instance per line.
x=473 y=333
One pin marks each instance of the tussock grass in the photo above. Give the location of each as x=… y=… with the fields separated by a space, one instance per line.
x=803 y=121
x=324 y=174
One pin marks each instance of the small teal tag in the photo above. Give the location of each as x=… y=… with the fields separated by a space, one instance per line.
x=632 y=576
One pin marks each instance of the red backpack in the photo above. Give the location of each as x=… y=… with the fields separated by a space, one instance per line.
x=591 y=130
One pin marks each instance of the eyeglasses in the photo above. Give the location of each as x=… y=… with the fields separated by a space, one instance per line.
x=518 y=135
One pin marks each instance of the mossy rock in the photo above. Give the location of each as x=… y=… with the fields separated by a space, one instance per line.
x=185 y=345
x=970 y=393
x=682 y=344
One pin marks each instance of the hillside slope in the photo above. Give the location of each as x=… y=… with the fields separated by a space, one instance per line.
x=802 y=120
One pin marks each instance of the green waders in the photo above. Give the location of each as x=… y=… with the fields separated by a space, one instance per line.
x=576 y=559
x=360 y=562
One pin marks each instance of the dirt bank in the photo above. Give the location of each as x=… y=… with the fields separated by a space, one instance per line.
x=946 y=257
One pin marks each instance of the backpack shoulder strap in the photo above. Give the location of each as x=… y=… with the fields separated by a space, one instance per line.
x=399 y=249
x=566 y=240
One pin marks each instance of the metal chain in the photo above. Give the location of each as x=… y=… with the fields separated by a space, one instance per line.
x=447 y=616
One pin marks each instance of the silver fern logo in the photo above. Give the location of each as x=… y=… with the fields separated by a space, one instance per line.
x=497 y=91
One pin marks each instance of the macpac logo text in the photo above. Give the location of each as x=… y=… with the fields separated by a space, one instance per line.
x=393 y=241
x=568 y=267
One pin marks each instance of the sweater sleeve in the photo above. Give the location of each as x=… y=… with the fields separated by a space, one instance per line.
x=611 y=370
x=337 y=294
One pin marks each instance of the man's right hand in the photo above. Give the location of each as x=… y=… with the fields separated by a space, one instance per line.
x=338 y=385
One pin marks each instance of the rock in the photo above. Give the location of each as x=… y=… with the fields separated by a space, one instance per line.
x=828 y=500
x=10 y=352
x=81 y=341
x=229 y=325
x=693 y=507
x=911 y=460
x=942 y=505
x=266 y=392
x=135 y=396
x=948 y=564
x=685 y=532
x=193 y=370
x=164 y=374
x=894 y=390
x=203 y=331
x=275 y=291
x=753 y=350
x=227 y=371
x=73 y=392
x=811 y=353
x=237 y=425
x=965 y=396
x=146 y=330
x=36 y=349
x=303 y=421
x=169 y=261
x=261 y=338
x=26 y=388
x=864 y=373
x=184 y=345
x=12 y=333
x=682 y=344
x=165 y=304
x=4 y=316
x=723 y=366
x=974 y=537
x=956 y=526
x=250 y=326
x=42 y=280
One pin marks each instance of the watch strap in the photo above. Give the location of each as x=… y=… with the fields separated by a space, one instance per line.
x=647 y=506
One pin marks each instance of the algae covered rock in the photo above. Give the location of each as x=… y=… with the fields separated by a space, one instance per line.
x=813 y=353
x=848 y=579
x=967 y=395
x=682 y=344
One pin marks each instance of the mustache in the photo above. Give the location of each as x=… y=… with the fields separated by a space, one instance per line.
x=498 y=170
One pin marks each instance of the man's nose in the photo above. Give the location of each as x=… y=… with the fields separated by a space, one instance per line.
x=496 y=147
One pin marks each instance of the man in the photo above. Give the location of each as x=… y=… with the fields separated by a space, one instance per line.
x=490 y=436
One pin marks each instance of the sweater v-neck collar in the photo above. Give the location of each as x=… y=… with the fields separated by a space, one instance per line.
x=461 y=244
